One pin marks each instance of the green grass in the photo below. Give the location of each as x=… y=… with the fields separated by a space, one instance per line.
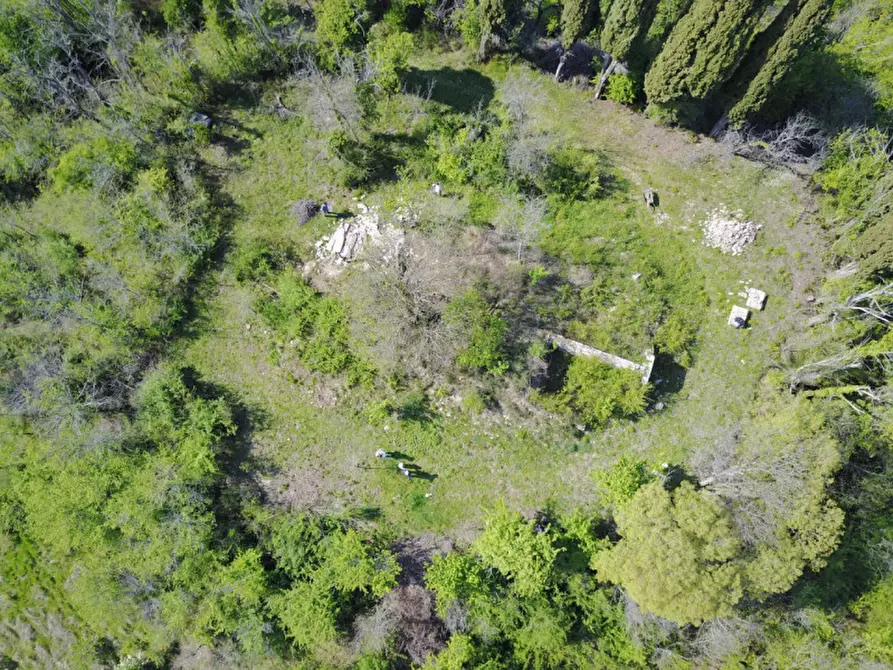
x=313 y=442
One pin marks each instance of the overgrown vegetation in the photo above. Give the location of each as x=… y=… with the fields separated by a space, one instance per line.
x=276 y=285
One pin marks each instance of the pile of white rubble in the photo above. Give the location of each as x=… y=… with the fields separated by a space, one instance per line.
x=351 y=235
x=728 y=231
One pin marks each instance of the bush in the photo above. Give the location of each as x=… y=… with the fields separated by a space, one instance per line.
x=596 y=391
x=259 y=258
x=622 y=88
x=619 y=484
x=337 y=26
x=485 y=350
x=389 y=51
x=855 y=163
x=315 y=325
x=102 y=162
x=574 y=174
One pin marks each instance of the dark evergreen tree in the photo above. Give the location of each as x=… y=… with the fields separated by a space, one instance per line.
x=776 y=51
x=703 y=50
x=574 y=17
x=626 y=20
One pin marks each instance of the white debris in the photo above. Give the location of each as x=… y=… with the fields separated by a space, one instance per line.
x=728 y=231
x=348 y=239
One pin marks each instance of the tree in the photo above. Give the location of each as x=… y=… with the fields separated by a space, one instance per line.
x=522 y=220
x=799 y=32
x=338 y=22
x=625 y=22
x=484 y=332
x=702 y=51
x=678 y=555
x=389 y=51
x=596 y=391
x=573 y=24
x=521 y=552
x=485 y=20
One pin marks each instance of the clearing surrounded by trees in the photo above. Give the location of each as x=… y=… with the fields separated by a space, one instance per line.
x=475 y=334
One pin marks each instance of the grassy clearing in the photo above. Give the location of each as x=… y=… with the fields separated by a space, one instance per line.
x=314 y=440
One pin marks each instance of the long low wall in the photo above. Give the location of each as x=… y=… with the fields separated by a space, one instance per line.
x=579 y=349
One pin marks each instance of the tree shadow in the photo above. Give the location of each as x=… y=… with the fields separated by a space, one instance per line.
x=667 y=376
x=463 y=90
x=546 y=54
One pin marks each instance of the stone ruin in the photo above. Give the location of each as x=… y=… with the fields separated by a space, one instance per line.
x=575 y=348
x=350 y=237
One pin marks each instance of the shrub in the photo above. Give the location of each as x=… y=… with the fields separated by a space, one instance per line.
x=514 y=546
x=622 y=88
x=485 y=349
x=855 y=163
x=389 y=51
x=574 y=174
x=453 y=577
x=619 y=484
x=337 y=26
x=596 y=391
x=102 y=162
x=315 y=325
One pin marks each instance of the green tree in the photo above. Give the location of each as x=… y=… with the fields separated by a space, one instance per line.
x=619 y=484
x=338 y=23
x=702 y=51
x=678 y=555
x=799 y=32
x=518 y=550
x=625 y=22
x=453 y=577
x=389 y=50
x=574 y=14
x=485 y=332
x=596 y=391
x=352 y=564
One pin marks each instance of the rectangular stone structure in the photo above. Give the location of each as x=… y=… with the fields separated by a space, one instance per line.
x=738 y=317
x=756 y=299
x=579 y=349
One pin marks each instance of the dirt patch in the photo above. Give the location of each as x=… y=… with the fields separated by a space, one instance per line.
x=414 y=554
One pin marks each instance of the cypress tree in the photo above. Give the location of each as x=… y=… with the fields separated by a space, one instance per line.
x=703 y=50
x=573 y=20
x=799 y=31
x=625 y=21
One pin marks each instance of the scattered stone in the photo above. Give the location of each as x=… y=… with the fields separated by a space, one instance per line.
x=658 y=406
x=738 y=317
x=728 y=231
x=247 y=326
x=636 y=276
x=756 y=299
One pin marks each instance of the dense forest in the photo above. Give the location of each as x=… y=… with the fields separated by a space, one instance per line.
x=322 y=329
